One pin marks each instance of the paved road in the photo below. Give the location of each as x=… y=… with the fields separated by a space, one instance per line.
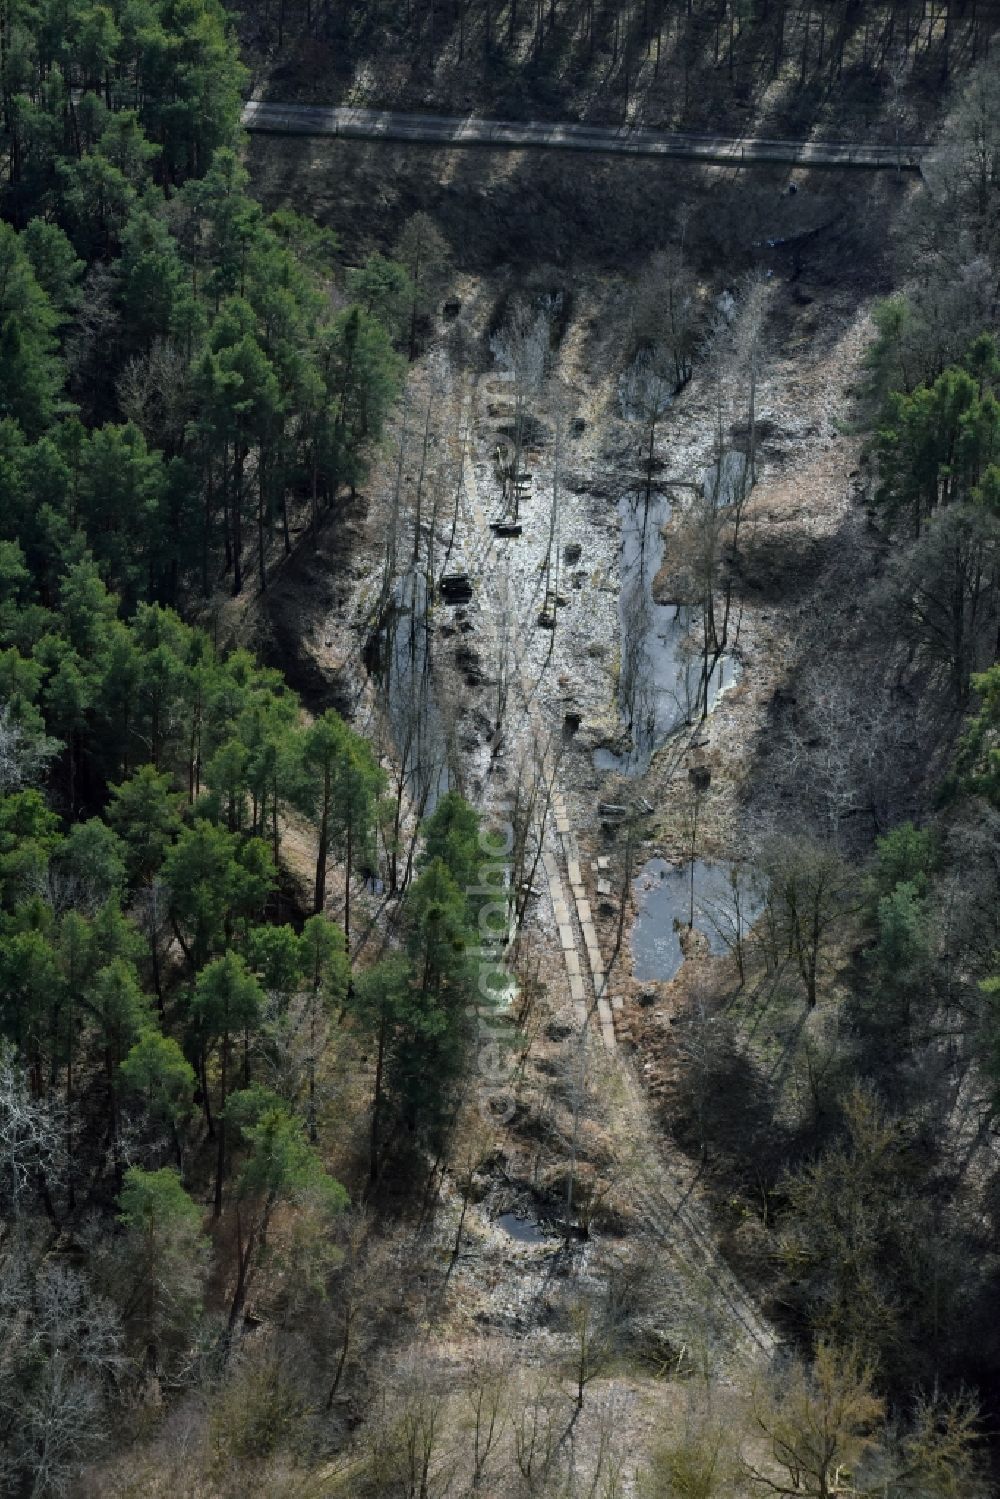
x=452 y=130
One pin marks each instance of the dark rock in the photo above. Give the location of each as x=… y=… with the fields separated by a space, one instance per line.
x=467 y=661
x=455 y=588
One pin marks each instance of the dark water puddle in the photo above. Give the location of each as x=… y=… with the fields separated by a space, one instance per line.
x=525 y=1230
x=726 y=479
x=402 y=664
x=660 y=680
x=725 y=900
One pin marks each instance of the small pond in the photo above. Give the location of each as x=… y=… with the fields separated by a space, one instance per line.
x=725 y=899
x=406 y=673
x=525 y=1230
x=660 y=678
x=726 y=479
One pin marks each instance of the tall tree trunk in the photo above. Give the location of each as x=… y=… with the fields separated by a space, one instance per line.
x=244 y=1254
x=274 y=817
x=220 y=1162
x=238 y=460
x=261 y=505
x=113 y=1116
x=70 y=1161
x=347 y=883
x=377 y=1101
x=342 y=1360
x=319 y=895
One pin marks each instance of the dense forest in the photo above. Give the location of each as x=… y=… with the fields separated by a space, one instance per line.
x=181 y=376
x=239 y=1144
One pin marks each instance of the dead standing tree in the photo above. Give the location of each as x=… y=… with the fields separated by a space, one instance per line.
x=852 y=760
x=531 y=805
x=413 y=716
x=390 y=559
x=697 y=540
x=452 y=479
x=416 y=733
x=636 y=685
x=439 y=424
x=425 y=254
x=710 y=515
x=645 y=393
x=748 y=341
x=521 y=348
x=505 y=663
x=550 y=564
x=666 y=313
x=710 y=532
x=810 y=897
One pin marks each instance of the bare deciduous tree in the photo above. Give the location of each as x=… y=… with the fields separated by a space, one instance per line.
x=748 y=340
x=489 y=1400
x=700 y=1460
x=819 y=1424
x=538 y=1429
x=646 y=392
x=407 y=1446
x=32 y=1139
x=810 y=895
x=23 y=756
x=425 y=253
x=521 y=348
x=947 y=594
x=963 y=174
x=665 y=311
x=60 y=1357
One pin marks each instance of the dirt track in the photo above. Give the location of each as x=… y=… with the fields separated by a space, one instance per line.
x=445 y=130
